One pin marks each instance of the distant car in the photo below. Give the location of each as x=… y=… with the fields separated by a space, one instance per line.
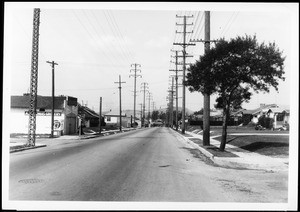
x=158 y=123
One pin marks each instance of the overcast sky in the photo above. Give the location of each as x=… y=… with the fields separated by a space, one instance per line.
x=94 y=43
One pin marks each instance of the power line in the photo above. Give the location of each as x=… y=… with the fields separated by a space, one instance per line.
x=88 y=32
x=113 y=30
x=129 y=52
x=236 y=14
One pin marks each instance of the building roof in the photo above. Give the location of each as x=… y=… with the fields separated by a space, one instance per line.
x=278 y=110
x=42 y=102
x=115 y=114
x=89 y=113
x=263 y=108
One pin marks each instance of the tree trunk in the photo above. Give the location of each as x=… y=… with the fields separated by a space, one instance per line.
x=224 y=128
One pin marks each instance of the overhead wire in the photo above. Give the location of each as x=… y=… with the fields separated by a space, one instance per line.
x=236 y=14
x=122 y=37
x=98 y=36
x=118 y=37
x=115 y=37
x=89 y=33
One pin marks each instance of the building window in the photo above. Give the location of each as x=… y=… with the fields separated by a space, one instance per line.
x=280 y=117
x=108 y=118
x=42 y=110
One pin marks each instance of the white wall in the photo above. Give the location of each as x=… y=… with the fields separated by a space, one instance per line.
x=19 y=121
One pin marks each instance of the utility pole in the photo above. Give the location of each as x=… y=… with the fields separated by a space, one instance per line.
x=184 y=44
x=153 y=103
x=206 y=104
x=149 y=98
x=141 y=113
x=100 y=116
x=176 y=83
x=171 y=102
x=120 y=88
x=135 y=76
x=33 y=78
x=53 y=97
x=144 y=89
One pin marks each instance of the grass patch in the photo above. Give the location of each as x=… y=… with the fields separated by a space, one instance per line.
x=270 y=145
x=217 y=153
x=237 y=129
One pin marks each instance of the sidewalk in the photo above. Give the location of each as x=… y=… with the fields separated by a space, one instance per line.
x=239 y=158
x=18 y=144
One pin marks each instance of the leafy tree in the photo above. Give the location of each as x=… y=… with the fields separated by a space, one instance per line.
x=235 y=68
x=154 y=115
x=200 y=112
x=162 y=116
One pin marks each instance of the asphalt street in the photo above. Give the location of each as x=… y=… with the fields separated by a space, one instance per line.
x=150 y=164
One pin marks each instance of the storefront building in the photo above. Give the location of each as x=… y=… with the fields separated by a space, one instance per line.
x=65 y=115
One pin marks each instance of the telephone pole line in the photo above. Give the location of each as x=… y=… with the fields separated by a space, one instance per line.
x=176 y=83
x=120 y=88
x=141 y=113
x=184 y=45
x=149 y=98
x=53 y=98
x=144 y=89
x=153 y=104
x=206 y=104
x=33 y=78
x=171 y=102
x=100 y=116
x=135 y=76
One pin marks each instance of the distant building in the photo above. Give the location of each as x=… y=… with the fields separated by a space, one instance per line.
x=65 y=115
x=113 y=118
x=278 y=114
x=89 y=117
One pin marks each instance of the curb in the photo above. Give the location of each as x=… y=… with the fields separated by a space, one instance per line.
x=26 y=148
x=204 y=151
x=79 y=138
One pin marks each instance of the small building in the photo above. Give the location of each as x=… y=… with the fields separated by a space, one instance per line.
x=280 y=116
x=253 y=115
x=90 y=117
x=65 y=114
x=113 y=118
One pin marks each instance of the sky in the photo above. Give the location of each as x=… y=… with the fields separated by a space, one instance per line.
x=94 y=43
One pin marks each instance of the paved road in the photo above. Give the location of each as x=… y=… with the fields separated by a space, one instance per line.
x=143 y=165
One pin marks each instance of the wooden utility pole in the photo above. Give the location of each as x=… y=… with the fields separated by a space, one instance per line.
x=171 y=102
x=33 y=78
x=206 y=106
x=135 y=76
x=149 y=98
x=176 y=82
x=120 y=88
x=184 y=44
x=144 y=89
x=141 y=113
x=53 y=97
x=206 y=97
x=100 y=116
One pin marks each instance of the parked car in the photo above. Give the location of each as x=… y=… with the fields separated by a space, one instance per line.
x=259 y=127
